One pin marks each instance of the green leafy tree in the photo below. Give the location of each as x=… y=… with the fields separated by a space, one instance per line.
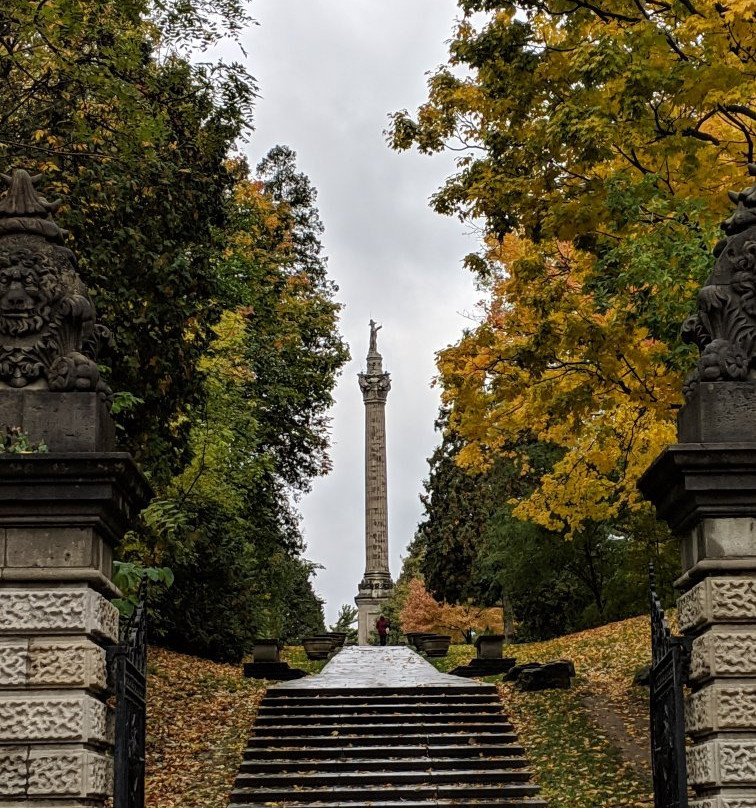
x=134 y=136
x=469 y=547
x=346 y=622
x=459 y=506
x=294 y=349
x=225 y=340
x=301 y=609
x=256 y=441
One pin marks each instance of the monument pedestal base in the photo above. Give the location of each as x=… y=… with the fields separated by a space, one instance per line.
x=368 y=611
x=374 y=592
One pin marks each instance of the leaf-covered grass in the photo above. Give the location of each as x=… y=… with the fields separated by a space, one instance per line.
x=199 y=714
x=458 y=655
x=575 y=756
x=573 y=760
x=297 y=658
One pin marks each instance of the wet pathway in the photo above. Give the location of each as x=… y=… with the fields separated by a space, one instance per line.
x=370 y=666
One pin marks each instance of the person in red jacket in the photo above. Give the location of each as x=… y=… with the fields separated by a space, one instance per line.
x=382 y=625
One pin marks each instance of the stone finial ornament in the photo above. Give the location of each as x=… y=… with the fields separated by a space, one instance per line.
x=725 y=327
x=48 y=333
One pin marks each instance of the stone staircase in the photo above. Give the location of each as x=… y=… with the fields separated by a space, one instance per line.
x=405 y=747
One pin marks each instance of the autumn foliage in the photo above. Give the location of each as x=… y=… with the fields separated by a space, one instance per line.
x=547 y=361
x=198 y=718
x=422 y=612
x=596 y=142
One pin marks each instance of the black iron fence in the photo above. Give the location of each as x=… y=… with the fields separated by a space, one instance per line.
x=670 y=659
x=127 y=663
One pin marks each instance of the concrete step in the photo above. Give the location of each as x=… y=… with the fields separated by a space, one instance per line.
x=405 y=697
x=307 y=765
x=372 y=793
x=276 y=708
x=459 y=802
x=435 y=746
x=306 y=731
x=416 y=695
x=359 y=739
x=362 y=779
x=378 y=717
x=381 y=751
x=422 y=691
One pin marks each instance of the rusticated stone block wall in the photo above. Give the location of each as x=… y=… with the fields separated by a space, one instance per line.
x=63 y=513
x=56 y=728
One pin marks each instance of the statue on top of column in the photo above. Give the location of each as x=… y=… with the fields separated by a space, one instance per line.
x=375 y=382
x=48 y=333
x=374 y=329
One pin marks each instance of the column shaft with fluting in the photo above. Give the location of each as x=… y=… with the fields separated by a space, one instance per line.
x=376 y=584
x=376 y=497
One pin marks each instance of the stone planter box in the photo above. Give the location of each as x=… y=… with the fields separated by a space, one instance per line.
x=334 y=638
x=267 y=650
x=338 y=638
x=434 y=645
x=414 y=637
x=489 y=646
x=272 y=671
x=317 y=647
x=480 y=666
x=542 y=676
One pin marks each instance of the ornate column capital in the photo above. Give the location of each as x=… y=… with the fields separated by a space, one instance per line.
x=374 y=386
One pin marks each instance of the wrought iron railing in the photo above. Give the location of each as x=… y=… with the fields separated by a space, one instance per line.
x=128 y=665
x=670 y=659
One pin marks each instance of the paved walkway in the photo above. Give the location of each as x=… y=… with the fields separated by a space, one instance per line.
x=357 y=666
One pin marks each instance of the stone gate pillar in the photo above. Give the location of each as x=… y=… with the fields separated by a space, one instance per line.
x=66 y=499
x=705 y=487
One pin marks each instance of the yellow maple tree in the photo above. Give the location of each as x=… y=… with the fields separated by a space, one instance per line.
x=596 y=142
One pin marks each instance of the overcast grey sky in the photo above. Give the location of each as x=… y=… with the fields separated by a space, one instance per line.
x=330 y=72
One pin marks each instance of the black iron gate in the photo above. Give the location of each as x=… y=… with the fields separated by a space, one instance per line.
x=128 y=665
x=670 y=657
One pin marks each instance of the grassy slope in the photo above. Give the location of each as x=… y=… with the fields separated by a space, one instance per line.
x=200 y=713
x=198 y=717
x=578 y=763
x=575 y=759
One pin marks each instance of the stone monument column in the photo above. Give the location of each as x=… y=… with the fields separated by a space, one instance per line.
x=705 y=487
x=66 y=499
x=376 y=584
